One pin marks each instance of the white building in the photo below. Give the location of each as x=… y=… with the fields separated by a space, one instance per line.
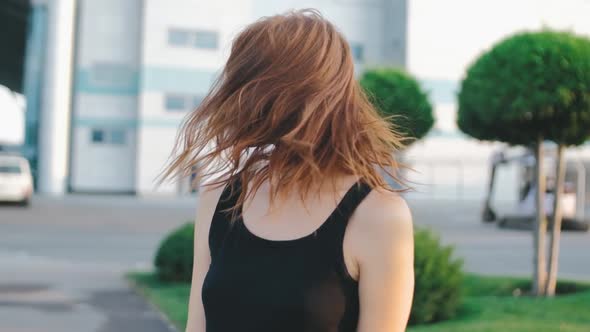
x=140 y=66
x=107 y=123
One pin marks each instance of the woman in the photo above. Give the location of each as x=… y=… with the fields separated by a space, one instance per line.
x=299 y=232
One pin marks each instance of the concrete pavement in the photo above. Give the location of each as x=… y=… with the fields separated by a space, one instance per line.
x=62 y=262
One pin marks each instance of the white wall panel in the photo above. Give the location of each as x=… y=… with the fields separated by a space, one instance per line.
x=155 y=144
x=105 y=87
x=103 y=167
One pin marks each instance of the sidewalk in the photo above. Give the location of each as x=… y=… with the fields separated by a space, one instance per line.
x=63 y=261
x=57 y=296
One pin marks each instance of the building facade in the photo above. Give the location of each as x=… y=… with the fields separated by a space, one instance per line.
x=139 y=66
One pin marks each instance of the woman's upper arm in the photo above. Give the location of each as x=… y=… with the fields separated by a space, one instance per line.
x=206 y=204
x=385 y=259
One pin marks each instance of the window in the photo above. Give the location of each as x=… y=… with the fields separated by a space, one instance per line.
x=97 y=136
x=10 y=169
x=357 y=51
x=203 y=39
x=178 y=37
x=206 y=39
x=182 y=102
x=108 y=136
x=175 y=103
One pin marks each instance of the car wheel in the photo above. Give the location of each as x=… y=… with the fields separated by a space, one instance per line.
x=25 y=202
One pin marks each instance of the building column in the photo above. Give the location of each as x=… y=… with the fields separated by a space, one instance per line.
x=54 y=130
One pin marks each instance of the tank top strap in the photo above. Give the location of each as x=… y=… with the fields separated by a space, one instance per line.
x=332 y=236
x=351 y=200
x=221 y=222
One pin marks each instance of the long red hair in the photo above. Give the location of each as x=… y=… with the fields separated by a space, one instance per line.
x=287 y=109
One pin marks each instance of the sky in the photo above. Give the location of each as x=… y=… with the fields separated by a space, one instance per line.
x=444 y=37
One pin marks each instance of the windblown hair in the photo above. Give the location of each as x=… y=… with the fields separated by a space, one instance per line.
x=286 y=109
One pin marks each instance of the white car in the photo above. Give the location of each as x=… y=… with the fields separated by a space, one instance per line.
x=16 y=181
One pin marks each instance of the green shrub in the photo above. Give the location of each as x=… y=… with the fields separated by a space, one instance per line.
x=396 y=93
x=438 y=276
x=174 y=259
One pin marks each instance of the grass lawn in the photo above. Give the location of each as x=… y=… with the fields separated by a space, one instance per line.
x=170 y=298
x=489 y=305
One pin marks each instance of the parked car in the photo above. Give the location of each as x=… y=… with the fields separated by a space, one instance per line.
x=16 y=181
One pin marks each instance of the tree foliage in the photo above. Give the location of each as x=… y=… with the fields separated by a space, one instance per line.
x=531 y=85
x=397 y=94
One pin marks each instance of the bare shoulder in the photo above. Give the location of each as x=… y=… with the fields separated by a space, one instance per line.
x=210 y=193
x=383 y=212
x=384 y=260
x=380 y=228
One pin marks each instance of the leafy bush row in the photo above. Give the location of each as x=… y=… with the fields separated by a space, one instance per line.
x=437 y=292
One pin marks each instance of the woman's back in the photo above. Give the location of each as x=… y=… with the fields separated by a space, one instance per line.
x=297 y=284
x=285 y=119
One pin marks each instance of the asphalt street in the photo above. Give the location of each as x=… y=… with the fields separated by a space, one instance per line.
x=63 y=260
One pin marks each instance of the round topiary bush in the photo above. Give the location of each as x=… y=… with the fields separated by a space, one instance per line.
x=174 y=259
x=438 y=280
x=399 y=97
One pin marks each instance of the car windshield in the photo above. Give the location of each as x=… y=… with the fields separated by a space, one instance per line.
x=10 y=169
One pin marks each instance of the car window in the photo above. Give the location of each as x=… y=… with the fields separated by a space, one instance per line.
x=10 y=169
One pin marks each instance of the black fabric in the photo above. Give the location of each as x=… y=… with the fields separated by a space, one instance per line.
x=259 y=285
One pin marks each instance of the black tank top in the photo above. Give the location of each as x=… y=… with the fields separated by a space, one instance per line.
x=260 y=285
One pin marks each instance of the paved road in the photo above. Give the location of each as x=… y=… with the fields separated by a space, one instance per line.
x=62 y=260
x=490 y=250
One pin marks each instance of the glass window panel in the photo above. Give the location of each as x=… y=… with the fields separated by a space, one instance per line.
x=178 y=37
x=175 y=103
x=10 y=169
x=206 y=39
x=97 y=136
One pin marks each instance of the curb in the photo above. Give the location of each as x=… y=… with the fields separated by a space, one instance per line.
x=137 y=289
